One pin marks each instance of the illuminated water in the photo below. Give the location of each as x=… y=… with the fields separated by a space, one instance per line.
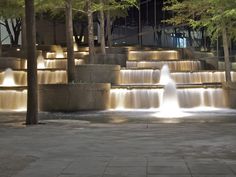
x=188 y=65
x=13 y=100
x=165 y=77
x=154 y=55
x=8 y=78
x=152 y=76
x=151 y=98
x=44 y=77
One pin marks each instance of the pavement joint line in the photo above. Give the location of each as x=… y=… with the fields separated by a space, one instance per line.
x=65 y=167
x=147 y=163
x=186 y=164
x=107 y=165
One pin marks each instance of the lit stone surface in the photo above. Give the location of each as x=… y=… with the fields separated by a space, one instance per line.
x=188 y=65
x=44 y=77
x=154 y=55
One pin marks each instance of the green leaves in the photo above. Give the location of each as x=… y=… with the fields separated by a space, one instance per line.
x=212 y=14
x=11 y=8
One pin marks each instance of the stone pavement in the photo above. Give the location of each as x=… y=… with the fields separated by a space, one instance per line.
x=74 y=148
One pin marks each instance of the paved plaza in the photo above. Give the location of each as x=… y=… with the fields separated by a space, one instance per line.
x=79 y=148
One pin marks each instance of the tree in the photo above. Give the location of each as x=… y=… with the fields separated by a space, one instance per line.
x=32 y=96
x=218 y=16
x=69 y=41
x=118 y=9
x=11 y=13
x=102 y=29
x=90 y=32
x=62 y=5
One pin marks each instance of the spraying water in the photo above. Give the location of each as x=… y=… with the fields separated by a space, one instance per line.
x=170 y=97
x=169 y=107
x=41 y=62
x=165 y=75
x=8 y=78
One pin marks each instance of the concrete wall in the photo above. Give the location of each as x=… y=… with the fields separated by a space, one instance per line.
x=97 y=73
x=12 y=62
x=73 y=97
x=230 y=94
x=112 y=59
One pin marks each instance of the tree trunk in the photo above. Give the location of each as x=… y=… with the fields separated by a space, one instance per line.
x=102 y=30
x=226 y=55
x=81 y=34
x=32 y=96
x=0 y=41
x=69 y=41
x=190 y=37
x=8 y=30
x=109 y=42
x=90 y=34
x=75 y=33
x=23 y=36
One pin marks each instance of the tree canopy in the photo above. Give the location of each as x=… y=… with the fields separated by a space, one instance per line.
x=218 y=16
x=213 y=14
x=11 y=8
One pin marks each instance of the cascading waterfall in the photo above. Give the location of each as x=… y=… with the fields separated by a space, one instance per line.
x=152 y=76
x=177 y=65
x=167 y=98
x=143 y=85
x=140 y=77
x=149 y=98
x=60 y=63
x=19 y=78
x=16 y=100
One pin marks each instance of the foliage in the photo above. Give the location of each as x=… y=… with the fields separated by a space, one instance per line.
x=11 y=8
x=81 y=6
x=213 y=14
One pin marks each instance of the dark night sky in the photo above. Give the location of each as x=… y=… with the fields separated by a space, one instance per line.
x=147 y=14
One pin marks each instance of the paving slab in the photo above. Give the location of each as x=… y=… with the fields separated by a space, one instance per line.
x=209 y=169
x=168 y=169
x=126 y=170
x=74 y=148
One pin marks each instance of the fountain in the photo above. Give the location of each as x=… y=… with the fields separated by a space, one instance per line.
x=165 y=75
x=58 y=52
x=41 y=62
x=75 y=46
x=140 y=88
x=8 y=79
x=170 y=97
